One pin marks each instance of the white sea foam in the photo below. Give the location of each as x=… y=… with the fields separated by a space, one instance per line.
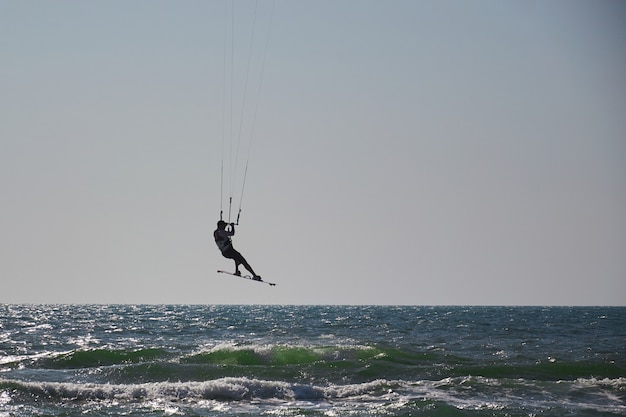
x=16 y=359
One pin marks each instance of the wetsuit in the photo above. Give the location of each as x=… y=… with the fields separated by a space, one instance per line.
x=224 y=243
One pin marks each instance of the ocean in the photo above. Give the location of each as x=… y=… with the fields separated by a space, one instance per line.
x=240 y=360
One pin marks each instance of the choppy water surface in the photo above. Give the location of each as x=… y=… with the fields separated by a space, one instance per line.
x=146 y=360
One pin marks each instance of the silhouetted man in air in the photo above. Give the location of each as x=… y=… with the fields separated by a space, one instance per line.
x=223 y=240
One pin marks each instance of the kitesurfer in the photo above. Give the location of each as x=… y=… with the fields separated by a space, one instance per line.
x=223 y=240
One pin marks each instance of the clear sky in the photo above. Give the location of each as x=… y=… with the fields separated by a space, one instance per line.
x=404 y=152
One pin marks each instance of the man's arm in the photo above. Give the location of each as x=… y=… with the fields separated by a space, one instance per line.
x=225 y=233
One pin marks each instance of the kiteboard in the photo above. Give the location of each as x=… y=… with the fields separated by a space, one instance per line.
x=271 y=284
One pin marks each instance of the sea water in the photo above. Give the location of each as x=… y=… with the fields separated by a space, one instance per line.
x=178 y=360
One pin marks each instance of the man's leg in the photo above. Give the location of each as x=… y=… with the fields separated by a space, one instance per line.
x=239 y=259
x=231 y=253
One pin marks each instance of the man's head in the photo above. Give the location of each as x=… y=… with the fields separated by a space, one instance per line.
x=221 y=224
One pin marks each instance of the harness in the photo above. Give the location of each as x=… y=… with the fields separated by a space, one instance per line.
x=223 y=242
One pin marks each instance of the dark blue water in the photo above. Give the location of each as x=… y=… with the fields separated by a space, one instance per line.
x=145 y=360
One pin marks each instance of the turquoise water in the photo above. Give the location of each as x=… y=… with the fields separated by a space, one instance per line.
x=161 y=360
